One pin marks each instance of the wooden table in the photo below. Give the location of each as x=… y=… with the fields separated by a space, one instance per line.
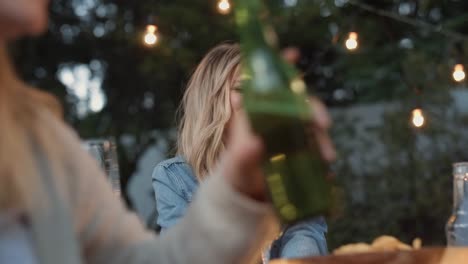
x=436 y=255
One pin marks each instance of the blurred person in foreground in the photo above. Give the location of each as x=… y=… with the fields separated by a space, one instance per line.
x=212 y=100
x=56 y=206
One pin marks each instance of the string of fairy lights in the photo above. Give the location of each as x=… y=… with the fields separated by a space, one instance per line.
x=458 y=73
x=351 y=43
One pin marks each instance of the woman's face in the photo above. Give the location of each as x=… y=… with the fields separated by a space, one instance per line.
x=22 y=17
x=236 y=95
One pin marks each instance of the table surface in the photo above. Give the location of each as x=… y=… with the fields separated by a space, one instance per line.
x=435 y=255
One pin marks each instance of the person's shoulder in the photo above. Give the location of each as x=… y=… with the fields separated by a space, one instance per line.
x=171 y=162
x=176 y=168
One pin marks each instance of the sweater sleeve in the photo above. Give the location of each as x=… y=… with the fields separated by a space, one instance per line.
x=221 y=225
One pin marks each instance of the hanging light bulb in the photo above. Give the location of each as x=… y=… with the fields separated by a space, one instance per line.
x=458 y=73
x=417 y=118
x=352 y=41
x=150 y=38
x=224 y=7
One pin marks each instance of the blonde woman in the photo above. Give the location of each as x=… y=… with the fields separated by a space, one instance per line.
x=211 y=101
x=56 y=206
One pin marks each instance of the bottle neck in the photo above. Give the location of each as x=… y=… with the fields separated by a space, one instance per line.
x=272 y=77
x=254 y=27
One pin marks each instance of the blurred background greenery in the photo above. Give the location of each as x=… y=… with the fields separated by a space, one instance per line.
x=395 y=178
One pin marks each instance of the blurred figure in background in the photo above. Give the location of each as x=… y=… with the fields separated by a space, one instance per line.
x=212 y=100
x=56 y=206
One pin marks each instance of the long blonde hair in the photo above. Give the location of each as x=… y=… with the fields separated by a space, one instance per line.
x=19 y=126
x=206 y=108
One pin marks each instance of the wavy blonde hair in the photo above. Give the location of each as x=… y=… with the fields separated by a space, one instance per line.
x=20 y=106
x=206 y=108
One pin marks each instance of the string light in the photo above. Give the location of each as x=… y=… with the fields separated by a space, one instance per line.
x=150 y=38
x=417 y=117
x=352 y=41
x=458 y=73
x=408 y=20
x=224 y=7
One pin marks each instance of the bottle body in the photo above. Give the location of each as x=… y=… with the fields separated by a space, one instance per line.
x=457 y=224
x=294 y=173
x=279 y=112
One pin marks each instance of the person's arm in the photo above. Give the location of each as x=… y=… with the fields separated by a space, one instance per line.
x=221 y=225
x=304 y=239
x=170 y=203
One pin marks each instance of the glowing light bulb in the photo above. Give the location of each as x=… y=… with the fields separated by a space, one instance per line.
x=352 y=41
x=417 y=118
x=458 y=73
x=150 y=38
x=224 y=7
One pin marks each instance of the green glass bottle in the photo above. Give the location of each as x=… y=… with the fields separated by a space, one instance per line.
x=276 y=102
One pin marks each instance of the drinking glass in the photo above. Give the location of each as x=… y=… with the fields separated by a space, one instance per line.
x=457 y=225
x=104 y=152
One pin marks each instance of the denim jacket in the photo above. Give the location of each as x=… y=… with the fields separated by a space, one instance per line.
x=175 y=184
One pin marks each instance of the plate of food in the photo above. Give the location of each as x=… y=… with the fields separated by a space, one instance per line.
x=387 y=250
